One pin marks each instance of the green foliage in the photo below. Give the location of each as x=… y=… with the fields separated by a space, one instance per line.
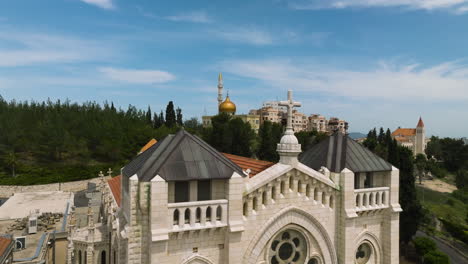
x=179 y=120
x=457 y=230
x=44 y=142
x=170 y=115
x=453 y=152
x=436 y=257
x=269 y=135
x=230 y=135
x=193 y=126
x=307 y=139
x=461 y=179
x=424 y=245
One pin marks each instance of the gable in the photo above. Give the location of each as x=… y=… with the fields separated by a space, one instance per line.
x=181 y=157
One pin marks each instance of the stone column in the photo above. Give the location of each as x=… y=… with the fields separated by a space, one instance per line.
x=391 y=223
x=347 y=216
x=161 y=221
x=235 y=221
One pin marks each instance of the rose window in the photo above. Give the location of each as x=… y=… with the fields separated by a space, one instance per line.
x=363 y=253
x=288 y=247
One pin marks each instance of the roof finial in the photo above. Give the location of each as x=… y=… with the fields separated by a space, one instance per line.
x=289 y=147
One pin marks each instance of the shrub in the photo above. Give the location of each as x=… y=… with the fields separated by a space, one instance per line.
x=424 y=245
x=436 y=257
x=457 y=230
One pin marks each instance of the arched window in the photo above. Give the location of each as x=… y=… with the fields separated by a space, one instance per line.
x=115 y=257
x=103 y=257
x=245 y=209
x=80 y=257
x=176 y=217
x=85 y=256
x=308 y=190
x=283 y=187
x=255 y=204
x=208 y=214
x=291 y=183
x=219 y=212
x=273 y=192
x=332 y=201
x=187 y=216
x=197 y=215
x=264 y=198
x=363 y=253
x=316 y=194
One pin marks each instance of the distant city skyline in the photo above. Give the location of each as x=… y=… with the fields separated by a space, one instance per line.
x=379 y=64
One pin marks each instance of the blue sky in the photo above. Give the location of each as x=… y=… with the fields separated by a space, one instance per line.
x=371 y=62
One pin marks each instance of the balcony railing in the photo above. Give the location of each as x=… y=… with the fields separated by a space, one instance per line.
x=371 y=198
x=198 y=215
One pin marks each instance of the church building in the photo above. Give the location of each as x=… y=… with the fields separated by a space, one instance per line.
x=182 y=202
x=412 y=138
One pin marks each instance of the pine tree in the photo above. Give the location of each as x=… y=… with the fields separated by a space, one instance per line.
x=179 y=117
x=148 y=116
x=381 y=136
x=170 y=115
x=161 y=118
x=156 y=122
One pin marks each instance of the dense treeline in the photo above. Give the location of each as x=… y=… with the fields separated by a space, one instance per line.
x=42 y=142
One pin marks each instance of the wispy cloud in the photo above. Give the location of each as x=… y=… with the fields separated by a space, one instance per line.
x=105 y=4
x=458 y=6
x=27 y=48
x=251 y=35
x=194 y=17
x=137 y=76
x=387 y=80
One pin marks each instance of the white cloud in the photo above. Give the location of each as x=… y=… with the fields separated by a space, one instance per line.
x=194 y=16
x=106 y=4
x=458 y=6
x=137 y=76
x=392 y=81
x=26 y=48
x=246 y=35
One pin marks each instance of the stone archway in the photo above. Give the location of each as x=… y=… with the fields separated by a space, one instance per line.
x=373 y=243
x=197 y=259
x=291 y=216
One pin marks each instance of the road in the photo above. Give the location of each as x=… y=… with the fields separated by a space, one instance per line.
x=455 y=257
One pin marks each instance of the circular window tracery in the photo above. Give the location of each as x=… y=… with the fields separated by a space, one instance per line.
x=363 y=253
x=288 y=247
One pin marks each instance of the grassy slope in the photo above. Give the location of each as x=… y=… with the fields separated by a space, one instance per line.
x=438 y=203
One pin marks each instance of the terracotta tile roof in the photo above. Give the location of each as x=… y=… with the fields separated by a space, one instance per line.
x=255 y=166
x=148 y=145
x=404 y=132
x=402 y=139
x=420 y=123
x=4 y=244
x=115 y=186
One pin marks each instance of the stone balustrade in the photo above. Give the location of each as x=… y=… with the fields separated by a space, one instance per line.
x=371 y=198
x=197 y=215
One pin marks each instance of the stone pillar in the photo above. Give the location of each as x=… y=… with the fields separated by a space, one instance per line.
x=139 y=229
x=235 y=222
x=347 y=217
x=391 y=223
x=161 y=221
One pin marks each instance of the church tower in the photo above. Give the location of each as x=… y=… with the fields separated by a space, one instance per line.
x=419 y=146
x=220 y=89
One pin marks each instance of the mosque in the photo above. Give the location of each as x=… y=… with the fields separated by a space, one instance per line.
x=180 y=201
x=229 y=107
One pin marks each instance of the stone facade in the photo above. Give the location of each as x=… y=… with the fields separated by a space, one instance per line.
x=287 y=213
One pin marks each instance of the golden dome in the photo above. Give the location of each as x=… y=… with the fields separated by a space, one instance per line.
x=227 y=106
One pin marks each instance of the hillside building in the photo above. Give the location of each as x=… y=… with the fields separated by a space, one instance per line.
x=412 y=138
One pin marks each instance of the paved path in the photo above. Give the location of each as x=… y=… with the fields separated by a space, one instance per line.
x=455 y=257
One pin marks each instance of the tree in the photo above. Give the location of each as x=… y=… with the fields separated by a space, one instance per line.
x=149 y=115
x=421 y=164
x=193 y=126
x=156 y=121
x=424 y=245
x=230 y=135
x=161 y=118
x=12 y=161
x=461 y=179
x=179 y=117
x=436 y=257
x=267 y=144
x=170 y=115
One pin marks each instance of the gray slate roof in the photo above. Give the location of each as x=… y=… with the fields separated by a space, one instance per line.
x=181 y=157
x=339 y=152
